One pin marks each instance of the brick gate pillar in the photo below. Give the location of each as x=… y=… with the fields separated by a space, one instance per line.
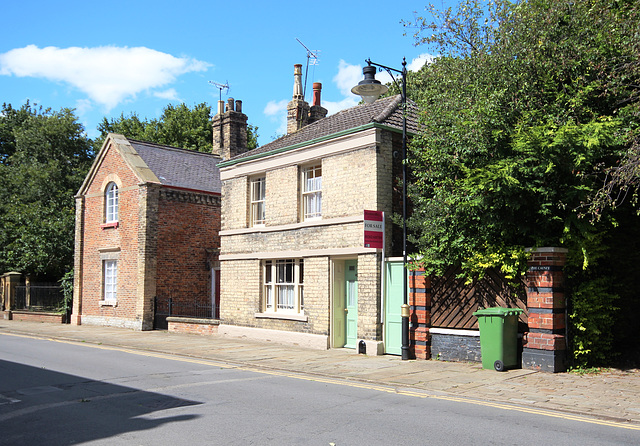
x=420 y=315
x=545 y=345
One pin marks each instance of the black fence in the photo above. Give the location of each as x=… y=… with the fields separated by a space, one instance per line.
x=164 y=307
x=40 y=298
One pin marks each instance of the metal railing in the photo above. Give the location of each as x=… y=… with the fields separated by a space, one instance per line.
x=168 y=306
x=39 y=298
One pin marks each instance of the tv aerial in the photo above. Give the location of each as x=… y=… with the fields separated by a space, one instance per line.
x=221 y=87
x=312 y=59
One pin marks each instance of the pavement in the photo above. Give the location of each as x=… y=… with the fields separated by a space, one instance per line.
x=611 y=395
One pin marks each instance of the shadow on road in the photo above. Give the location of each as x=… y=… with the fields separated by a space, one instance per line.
x=38 y=406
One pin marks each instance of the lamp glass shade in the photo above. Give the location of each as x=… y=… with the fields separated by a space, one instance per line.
x=370 y=91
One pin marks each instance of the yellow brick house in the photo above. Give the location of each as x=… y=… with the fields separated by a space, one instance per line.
x=293 y=261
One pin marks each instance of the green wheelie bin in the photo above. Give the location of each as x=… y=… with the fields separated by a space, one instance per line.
x=498 y=337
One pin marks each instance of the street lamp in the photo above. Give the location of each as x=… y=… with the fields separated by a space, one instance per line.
x=370 y=89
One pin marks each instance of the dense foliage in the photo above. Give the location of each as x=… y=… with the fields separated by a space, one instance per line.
x=44 y=157
x=525 y=109
x=178 y=126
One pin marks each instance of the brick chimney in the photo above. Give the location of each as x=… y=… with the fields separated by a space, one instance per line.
x=317 y=111
x=298 y=108
x=229 y=130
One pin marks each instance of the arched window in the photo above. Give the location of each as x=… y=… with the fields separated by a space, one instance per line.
x=111 y=203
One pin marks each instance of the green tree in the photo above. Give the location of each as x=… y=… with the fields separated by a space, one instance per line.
x=526 y=105
x=178 y=126
x=44 y=157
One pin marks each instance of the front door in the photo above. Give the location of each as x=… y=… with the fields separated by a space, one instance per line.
x=392 y=307
x=339 y=316
x=351 y=302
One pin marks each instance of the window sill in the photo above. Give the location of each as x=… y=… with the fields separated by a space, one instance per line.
x=113 y=224
x=108 y=303
x=285 y=316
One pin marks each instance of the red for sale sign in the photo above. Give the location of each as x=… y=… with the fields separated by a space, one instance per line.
x=374 y=229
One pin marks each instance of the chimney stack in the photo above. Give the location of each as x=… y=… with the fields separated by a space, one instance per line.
x=229 y=130
x=298 y=108
x=317 y=111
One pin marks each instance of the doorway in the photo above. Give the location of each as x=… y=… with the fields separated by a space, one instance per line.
x=345 y=304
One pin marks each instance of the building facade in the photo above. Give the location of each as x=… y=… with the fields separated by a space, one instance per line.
x=294 y=265
x=147 y=224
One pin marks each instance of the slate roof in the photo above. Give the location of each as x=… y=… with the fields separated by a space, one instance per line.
x=387 y=112
x=181 y=168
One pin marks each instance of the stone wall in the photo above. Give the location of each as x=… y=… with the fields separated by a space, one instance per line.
x=455 y=346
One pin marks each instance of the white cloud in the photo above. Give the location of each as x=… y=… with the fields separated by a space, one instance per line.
x=335 y=107
x=420 y=61
x=348 y=76
x=108 y=75
x=170 y=94
x=275 y=108
x=83 y=106
x=277 y=112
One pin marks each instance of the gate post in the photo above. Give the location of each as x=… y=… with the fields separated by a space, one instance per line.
x=11 y=281
x=545 y=345
x=420 y=306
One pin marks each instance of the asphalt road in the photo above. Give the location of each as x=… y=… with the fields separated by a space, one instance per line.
x=55 y=393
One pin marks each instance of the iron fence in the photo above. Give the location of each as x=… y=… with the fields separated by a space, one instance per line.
x=168 y=306
x=39 y=298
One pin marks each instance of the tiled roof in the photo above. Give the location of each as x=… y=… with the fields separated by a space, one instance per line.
x=179 y=167
x=387 y=111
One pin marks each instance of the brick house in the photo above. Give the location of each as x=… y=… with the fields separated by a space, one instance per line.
x=147 y=223
x=294 y=266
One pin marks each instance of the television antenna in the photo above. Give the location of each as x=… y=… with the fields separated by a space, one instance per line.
x=312 y=59
x=221 y=87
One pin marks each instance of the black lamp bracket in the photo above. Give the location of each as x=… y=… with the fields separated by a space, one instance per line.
x=390 y=70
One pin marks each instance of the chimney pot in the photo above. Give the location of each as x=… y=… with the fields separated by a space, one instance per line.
x=239 y=106
x=297 y=82
x=317 y=89
x=230 y=104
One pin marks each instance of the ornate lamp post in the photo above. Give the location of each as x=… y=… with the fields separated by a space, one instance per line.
x=370 y=89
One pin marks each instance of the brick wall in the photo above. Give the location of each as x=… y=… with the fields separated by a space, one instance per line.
x=282 y=196
x=192 y=326
x=545 y=344
x=188 y=227
x=351 y=182
x=52 y=318
x=165 y=242
x=239 y=291
x=420 y=317
x=313 y=237
x=97 y=239
x=369 y=308
x=234 y=203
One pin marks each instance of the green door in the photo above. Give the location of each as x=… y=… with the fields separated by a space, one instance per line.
x=338 y=336
x=351 y=302
x=392 y=307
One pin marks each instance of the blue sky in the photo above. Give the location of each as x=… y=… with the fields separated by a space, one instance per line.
x=108 y=58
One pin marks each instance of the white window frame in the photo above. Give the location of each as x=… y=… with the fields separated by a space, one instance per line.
x=311 y=179
x=257 y=196
x=109 y=281
x=111 y=203
x=283 y=285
